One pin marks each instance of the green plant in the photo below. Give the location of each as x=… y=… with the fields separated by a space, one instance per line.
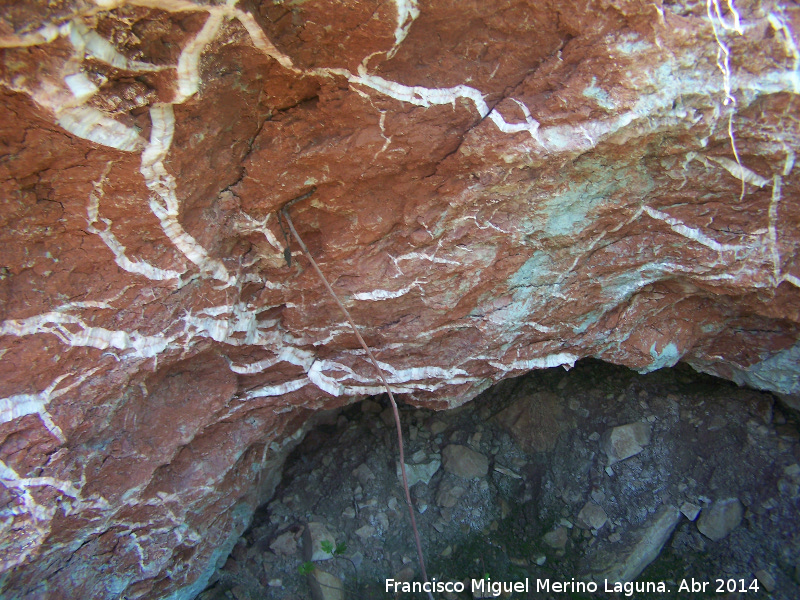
x=336 y=551
x=327 y=546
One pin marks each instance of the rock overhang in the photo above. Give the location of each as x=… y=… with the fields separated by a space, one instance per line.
x=497 y=190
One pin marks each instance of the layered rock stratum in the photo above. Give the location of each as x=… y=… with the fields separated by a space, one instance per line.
x=499 y=187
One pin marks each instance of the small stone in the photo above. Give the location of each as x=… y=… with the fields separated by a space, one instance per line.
x=690 y=510
x=419 y=456
x=363 y=473
x=240 y=593
x=365 y=532
x=275 y=583
x=556 y=539
x=349 y=513
x=594 y=437
x=535 y=421
x=766 y=579
x=285 y=544
x=325 y=586
x=436 y=426
x=614 y=537
x=387 y=416
x=788 y=488
x=793 y=472
x=446 y=552
x=609 y=471
x=449 y=497
x=383 y=521
x=313 y=536
x=507 y=472
x=404 y=574
x=463 y=462
x=592 y=516
x=420 y=472
x=540 y=560
x=722 y=517
x=505 y=509
x=770 y=504
x=625 y=441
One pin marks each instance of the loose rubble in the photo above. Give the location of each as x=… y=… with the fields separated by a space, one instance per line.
x=665 y=477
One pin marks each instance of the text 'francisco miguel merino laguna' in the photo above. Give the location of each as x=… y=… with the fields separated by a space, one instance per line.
x=486 y=587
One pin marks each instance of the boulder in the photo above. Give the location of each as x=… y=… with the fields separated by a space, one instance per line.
x=464 y=462
x=625 y=441
x=314 y=535
x=719 y=519
x=643 y=545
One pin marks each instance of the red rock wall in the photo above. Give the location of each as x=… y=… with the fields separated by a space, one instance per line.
x=500 y=186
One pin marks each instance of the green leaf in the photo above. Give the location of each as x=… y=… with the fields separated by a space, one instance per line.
x=306 y=568
x=341 y=548
x=327 y=546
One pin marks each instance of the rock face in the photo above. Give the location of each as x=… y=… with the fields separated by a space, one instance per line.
x=499 y=187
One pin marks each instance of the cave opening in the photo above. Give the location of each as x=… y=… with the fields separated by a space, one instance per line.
x=595 y=476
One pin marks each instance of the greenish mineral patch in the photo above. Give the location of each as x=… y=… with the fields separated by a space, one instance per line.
x=780 y=372
x=666 y=358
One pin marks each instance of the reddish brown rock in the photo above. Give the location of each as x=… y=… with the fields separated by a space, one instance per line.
x=499 y=187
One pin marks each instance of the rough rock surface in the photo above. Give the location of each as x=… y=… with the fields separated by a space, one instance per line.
x=500 y=186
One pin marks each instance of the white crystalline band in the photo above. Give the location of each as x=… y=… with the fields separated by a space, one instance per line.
x=691 y=233
x=290 y=354
x=138 y=267
x=564 y=359
x=164 y=203
x=739 y=171
x=407 y=12
x=377 y=295
x=20 y=405
x=91 y=124
x=142 y=346
x=422 y=96
x=188 y=72
x=277 y=390
x=401 y=380
x=88 y=41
